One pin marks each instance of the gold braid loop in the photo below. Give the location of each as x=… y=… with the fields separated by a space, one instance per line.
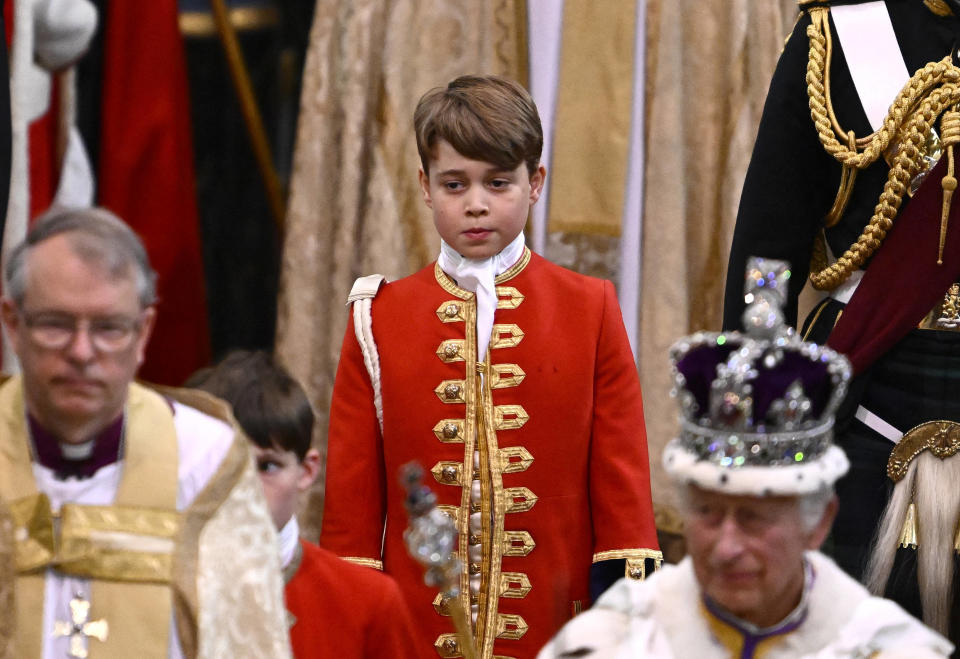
x=821 y=111
x=950 y=129
x=905 y=165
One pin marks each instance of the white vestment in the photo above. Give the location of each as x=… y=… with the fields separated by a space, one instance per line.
x=238 y=583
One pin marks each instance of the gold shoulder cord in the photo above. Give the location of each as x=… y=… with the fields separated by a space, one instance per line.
x=907 y=126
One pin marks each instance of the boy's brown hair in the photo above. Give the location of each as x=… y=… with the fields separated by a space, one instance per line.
x=486 y=118
x=267 y=402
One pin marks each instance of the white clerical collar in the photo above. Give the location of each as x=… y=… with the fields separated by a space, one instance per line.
x=289 y=541
x=478 y=276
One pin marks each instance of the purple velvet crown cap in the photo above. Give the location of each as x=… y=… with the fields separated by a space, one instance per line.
x=760 y=398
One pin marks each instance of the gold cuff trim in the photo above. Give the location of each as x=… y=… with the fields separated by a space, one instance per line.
x=519 y=499
x=509 y=297
x=506 y=336
x=515 y=459
x=451 y=312
x=636 y=567
x=449 y=431
x=447 y=646
x=942 y=438
x=511 y=627
x=451 y=391
x=451 y=351
x=517 y=543
x=514 y=585
x=365 y=562
x=447 y=473
x=509 y=417
x=503 y=376
x=514 y=269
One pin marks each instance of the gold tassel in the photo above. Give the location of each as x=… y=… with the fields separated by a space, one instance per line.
x=908 y=536
x=950 y=124
x=848 y=175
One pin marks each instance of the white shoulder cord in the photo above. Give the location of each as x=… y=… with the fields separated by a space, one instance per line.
x=361 y=297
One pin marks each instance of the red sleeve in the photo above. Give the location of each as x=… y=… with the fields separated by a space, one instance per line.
x=393 y=634
x=621 y=506
x=354 y=500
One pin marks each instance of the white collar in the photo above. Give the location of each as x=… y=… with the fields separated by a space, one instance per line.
x=478 y=276
x=289 y=539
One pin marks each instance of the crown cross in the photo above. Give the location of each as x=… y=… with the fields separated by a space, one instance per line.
x=80 y=627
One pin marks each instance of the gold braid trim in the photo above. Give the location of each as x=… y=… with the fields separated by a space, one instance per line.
x=905 y=124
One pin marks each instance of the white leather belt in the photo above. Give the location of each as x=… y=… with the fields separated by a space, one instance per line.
x=877 y=424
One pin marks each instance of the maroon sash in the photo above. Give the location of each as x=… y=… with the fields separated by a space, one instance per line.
x=903 y=281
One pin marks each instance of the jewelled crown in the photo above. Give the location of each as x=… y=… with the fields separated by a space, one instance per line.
x=756 y=408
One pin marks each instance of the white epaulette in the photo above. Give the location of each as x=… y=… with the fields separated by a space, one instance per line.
x=361 y=297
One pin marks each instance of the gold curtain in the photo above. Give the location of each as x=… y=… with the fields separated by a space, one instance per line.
x=355 y=206
x=709 y=64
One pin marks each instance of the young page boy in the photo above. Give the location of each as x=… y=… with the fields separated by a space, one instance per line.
x=508 y=378
x=336 y=610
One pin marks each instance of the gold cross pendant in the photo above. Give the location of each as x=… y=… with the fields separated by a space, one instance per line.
x=79 y=627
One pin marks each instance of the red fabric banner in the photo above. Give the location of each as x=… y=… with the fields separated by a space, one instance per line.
x=146 y=173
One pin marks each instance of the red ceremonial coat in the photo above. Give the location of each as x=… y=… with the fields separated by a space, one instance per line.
x=559 y=426
x=344 y=611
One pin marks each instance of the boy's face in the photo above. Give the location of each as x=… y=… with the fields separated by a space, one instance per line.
x=478 y=207
x=284 y=478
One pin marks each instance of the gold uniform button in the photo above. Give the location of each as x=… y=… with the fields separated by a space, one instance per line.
x=450 y=645
x=449 y=474
x=451 y=391
x=451 y=350
x=474 y=568
x=474 y=598
x=475 y=506
x=636 y=573
x=474 y=539
x=451 y=430
x=452 y=310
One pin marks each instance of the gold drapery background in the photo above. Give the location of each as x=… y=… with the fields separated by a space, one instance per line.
x=355 y=206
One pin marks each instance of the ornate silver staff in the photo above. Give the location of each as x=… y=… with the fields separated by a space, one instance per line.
x=431 y=539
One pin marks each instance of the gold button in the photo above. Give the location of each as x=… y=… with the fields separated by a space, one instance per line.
x=475 y=506
x=452 y=310
x=474 y=598
x=474 y=568
x=636 y=573
x=476 y=474
x=451 y=391
x=451 y=350
x=474 y=539
x=449 y=474
x=450 y=645
x=451 y=430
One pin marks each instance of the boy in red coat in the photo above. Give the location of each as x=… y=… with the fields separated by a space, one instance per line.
x=507 y=377
x=336 y=610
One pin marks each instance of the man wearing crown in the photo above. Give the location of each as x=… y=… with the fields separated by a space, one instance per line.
x=755 y=467
x=853 y=180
